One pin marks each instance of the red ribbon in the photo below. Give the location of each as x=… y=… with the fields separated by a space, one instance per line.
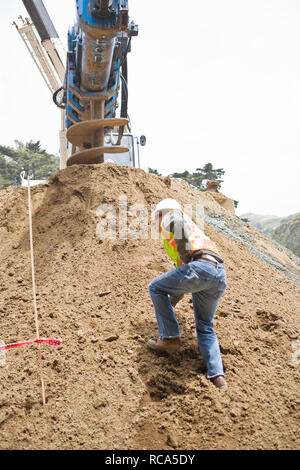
x=50 y=341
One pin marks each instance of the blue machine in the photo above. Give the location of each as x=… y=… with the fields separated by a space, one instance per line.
x=96 y=71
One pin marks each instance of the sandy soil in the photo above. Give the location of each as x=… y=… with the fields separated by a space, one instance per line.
x=104 y=389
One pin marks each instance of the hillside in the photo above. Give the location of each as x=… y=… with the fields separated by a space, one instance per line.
x=288 y=234
x=284 y=230
x=104 y=388
x=267 y=223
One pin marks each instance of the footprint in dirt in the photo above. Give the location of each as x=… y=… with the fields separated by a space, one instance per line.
x=161 y=386
x=170 y=374
x=267 y=321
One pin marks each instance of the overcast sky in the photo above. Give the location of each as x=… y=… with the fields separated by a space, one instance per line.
x=209 y=81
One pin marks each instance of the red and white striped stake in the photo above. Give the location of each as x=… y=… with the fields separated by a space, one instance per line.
x=34 y=292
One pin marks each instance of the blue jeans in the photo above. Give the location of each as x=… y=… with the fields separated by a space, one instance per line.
x=206 y=283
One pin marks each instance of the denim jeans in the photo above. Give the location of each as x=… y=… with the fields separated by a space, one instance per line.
x=207 y=284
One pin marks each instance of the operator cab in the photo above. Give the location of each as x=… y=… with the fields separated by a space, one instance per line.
x=131 y=158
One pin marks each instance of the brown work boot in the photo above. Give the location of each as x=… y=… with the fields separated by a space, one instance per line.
x=164 y=344
x=220 y=382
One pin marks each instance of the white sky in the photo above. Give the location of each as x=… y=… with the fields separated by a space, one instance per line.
x=209 y=81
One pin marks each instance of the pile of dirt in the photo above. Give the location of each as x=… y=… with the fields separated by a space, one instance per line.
x=104 y=388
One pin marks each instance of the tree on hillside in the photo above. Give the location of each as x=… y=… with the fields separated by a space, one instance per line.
x=201 y=174
x=29 y=157
x=7 y=172
x=154 y=171
x=209 y=173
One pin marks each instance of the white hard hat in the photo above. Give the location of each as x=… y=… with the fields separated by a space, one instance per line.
x=167 y=204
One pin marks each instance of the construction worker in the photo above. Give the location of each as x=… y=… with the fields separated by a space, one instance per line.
x=200 y=271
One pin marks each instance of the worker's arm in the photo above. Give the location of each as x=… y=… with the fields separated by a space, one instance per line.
x=175 y=223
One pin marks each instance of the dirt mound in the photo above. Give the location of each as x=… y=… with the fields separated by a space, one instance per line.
x=104 y=389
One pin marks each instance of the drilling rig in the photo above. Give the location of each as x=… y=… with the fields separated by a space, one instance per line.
x=95 y=76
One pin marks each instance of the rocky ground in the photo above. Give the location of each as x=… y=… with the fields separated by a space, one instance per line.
x=104 y=388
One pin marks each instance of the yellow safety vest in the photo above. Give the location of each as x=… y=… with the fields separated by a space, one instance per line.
x=197 y=240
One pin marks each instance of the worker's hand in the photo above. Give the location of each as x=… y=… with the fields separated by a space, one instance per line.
x=175 y=299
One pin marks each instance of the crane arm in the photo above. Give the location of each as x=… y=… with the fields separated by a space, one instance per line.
x=98 y=46
x=95 y=73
